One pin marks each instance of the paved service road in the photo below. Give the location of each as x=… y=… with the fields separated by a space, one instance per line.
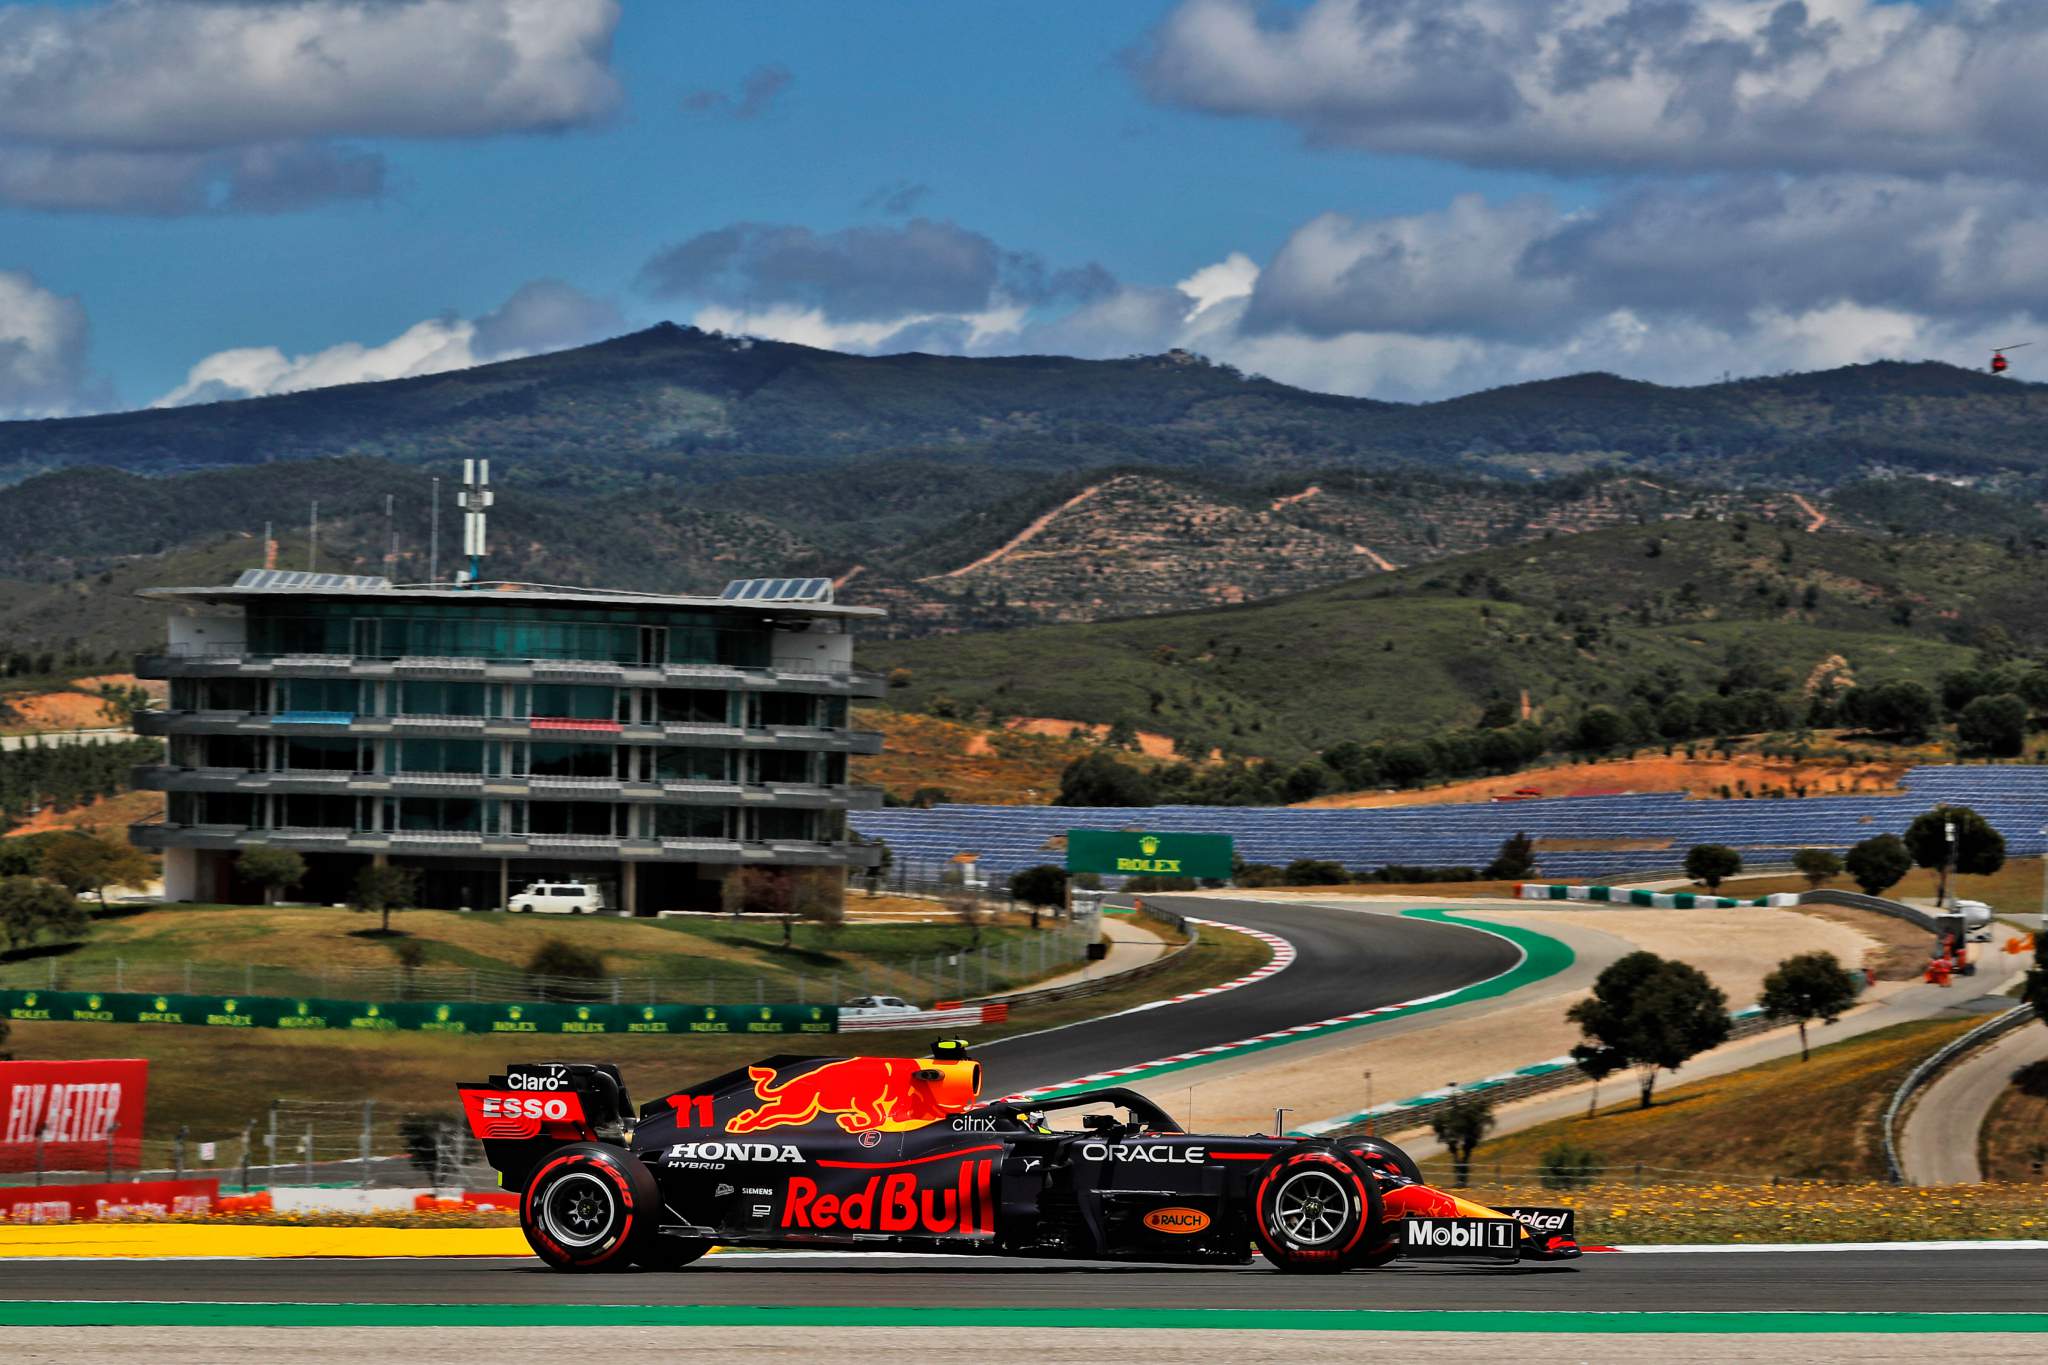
x=1939 y=1144
x=1810 y=1281
x=1348 y=960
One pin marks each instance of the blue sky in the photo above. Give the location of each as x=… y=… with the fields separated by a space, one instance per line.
x=1419 y=198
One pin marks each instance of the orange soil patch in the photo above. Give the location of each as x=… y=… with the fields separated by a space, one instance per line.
x=969 y=762
x=1314 y=490
x=108 y=814
x=1150 y=744
x=55 y=711
x=1650 y=773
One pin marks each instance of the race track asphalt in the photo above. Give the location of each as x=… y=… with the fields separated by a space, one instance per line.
x=1905 y=1281
x=1347 y=961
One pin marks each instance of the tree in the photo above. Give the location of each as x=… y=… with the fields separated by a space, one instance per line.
x=1978 y=849
x=381 y=888
x=1878 y=862
x=1600 y=728
x=83 y=862
x=1905 y=709
x=31 y=907
x=1121 y=735
x=970 y=913
x=1461 y=1125
x=1994 y=725
x=1516 y=859
x=1817 y=865
x=1598 y=1063
x=1711 y=864
x=1097 y=779
x=1041 y=887
x=1809 y=986
x=1657 y=1014
x=118 y=704
x=273 y=869
x=815 y=897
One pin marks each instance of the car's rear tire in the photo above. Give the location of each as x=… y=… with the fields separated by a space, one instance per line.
x=589 y=1206
x=1313 y=1208
x=670 y=1253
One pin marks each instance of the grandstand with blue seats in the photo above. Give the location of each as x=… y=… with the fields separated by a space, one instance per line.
x=1662 y=825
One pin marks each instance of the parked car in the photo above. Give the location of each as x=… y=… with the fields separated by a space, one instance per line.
x=874 y=1006
x=559 y=898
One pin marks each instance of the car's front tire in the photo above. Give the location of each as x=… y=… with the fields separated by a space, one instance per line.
x=1313 y=1208
x=589 y=1206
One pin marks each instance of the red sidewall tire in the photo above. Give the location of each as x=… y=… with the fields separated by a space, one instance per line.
x=589 y=1206
x=1347 y=1225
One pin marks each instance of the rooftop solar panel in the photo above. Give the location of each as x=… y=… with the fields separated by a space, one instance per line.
x=286 y=580
x=778 y=590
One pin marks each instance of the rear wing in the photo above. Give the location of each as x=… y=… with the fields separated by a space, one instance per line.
x=531 y=1108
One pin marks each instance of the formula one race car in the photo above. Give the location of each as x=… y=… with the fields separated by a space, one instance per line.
x=897 y=1154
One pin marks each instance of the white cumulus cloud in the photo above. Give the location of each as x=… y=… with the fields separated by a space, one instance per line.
x=183 y=106
x=44 y=338
x=541 y=315
x=1603 y=86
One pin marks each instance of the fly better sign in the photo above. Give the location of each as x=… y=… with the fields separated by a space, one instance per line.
x=1125 y=853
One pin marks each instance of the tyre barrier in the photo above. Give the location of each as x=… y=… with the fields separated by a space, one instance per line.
x=1659 y=900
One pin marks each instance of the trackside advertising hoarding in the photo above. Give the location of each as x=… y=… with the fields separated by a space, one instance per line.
x=419 y=1016
x=82 y=1203
x=1124 y=853
x=70 y=1107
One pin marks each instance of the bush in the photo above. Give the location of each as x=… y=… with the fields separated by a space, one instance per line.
x=558 y=957
x=1314 y=872
x=1568 y=1166
x=1817 y=865
x=1161 y=884
x=1257 y=874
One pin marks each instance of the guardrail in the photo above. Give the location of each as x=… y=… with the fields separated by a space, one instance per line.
x=1921 y=1075
x=1077 y=990
x=1856 y=900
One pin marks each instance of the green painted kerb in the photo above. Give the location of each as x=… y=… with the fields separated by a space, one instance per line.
x=1542 y=956
x=47 y=1313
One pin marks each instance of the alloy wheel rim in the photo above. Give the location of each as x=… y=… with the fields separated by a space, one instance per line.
x=578 y=1209
x=1311 y=1207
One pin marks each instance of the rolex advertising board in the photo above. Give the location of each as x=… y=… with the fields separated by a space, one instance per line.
x=1128 y=853
x=417 y=1016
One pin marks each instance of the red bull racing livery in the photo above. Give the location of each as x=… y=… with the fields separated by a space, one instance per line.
x=900 y=1154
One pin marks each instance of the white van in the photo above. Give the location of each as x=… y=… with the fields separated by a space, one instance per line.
x=559 y=898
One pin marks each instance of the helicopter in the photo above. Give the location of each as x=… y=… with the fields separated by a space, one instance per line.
x=1999 y=364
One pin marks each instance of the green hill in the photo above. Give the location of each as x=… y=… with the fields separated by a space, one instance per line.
x=1571 y=621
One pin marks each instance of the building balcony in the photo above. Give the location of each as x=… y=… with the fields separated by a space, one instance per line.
x=816 y=739
x=791 y=675
x=787 y=795
x=781 y=852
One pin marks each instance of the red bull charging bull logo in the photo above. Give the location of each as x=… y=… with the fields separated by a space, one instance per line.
x=863 y=1093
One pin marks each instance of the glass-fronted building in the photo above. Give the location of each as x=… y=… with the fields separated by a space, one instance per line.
x=495 y=737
